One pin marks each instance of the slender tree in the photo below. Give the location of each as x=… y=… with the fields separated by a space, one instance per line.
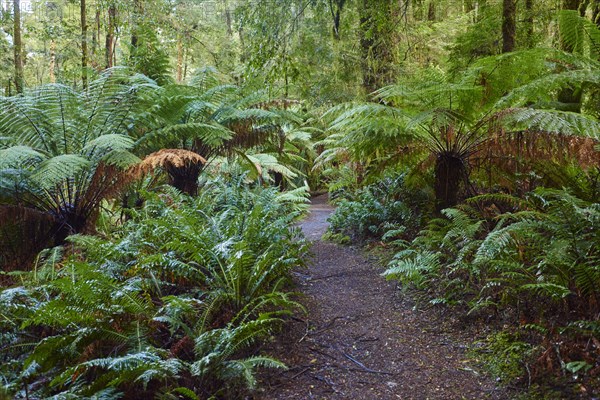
x=509 y=26
x=377 y=28
x=84 y=49
x=529 y=23
x=18 y=47
x=110 y=35
x=180 y=57
x=52 y=66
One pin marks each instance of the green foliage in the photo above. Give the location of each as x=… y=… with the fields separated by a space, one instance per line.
x=228 y=126
x=174 y=302
x=386 y=207
x=544 y=252
x=148 y=57
x=503 y=355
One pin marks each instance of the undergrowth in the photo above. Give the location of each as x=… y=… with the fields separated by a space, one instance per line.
x=169 y=307
x=387 y=210
x=532 y=265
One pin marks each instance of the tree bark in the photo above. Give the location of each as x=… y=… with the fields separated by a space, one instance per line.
x=18 y=47
x=509 y=27
x=449 y=173
x=110 y=36
x=84 y=49
x=529 y=23
x=95 y=37
x=179 y=57
x=52 y=66
x=376 y=42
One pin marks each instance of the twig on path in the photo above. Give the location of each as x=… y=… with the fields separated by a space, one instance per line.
x=322 y=353
x=365 y=368
x=336 y=275
x=299 y=373
x=328 y=326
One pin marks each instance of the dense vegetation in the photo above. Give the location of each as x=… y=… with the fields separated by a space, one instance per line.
x=155 y=155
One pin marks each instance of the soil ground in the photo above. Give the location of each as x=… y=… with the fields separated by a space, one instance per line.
x=363 y=339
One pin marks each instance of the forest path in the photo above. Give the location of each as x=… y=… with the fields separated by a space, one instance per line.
x=362 y=339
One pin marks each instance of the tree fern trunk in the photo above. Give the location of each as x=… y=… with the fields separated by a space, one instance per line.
x=449 y=171
x=185 y=179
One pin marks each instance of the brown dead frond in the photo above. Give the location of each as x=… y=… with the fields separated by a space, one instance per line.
x=167 y=159
x=518 y=150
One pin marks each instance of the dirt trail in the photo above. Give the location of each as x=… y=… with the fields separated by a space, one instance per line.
x=363 y=340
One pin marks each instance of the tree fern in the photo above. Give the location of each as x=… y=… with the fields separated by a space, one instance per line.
x=67 y=148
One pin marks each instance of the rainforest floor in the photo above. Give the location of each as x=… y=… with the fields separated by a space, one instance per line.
x=362 y=338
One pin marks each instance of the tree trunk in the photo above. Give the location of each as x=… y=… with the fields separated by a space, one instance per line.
x=185 y=179
x=449 y=172
x=18 y=47
x=376 y=43
x=52 y=67
x=509 y=27
x=529 y=23
x=110 y=36
x=179 y=57
x=84 y=49
x=185 y=64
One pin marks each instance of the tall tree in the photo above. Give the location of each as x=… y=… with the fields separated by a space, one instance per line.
x=110 y=35
x=529 y=23
x=84 y=49
x=509 y=26
x=376 y=41
x=18 y=46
